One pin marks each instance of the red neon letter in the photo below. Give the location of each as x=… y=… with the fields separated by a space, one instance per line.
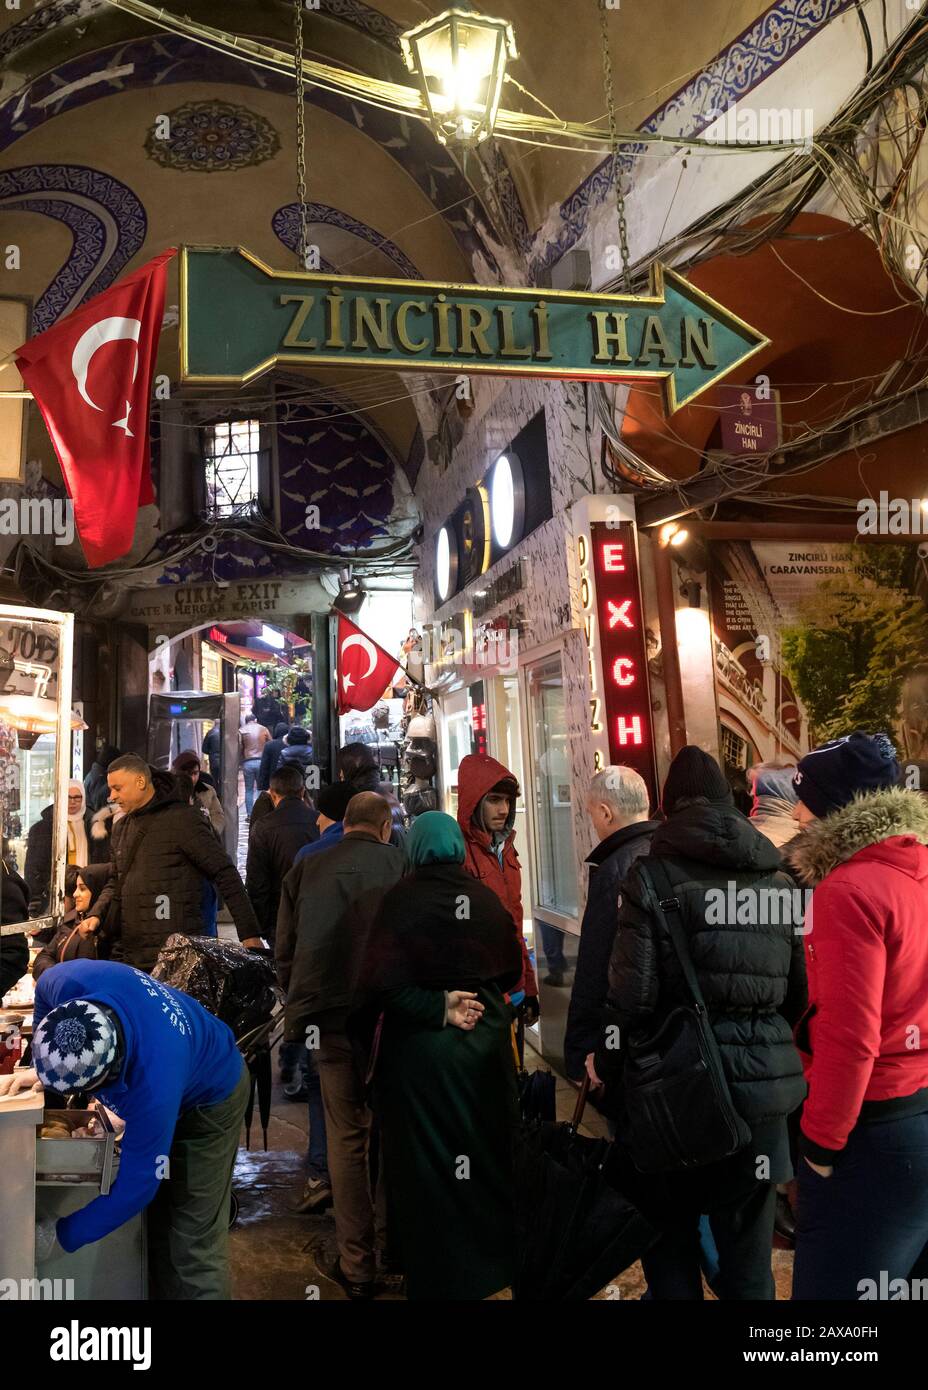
x=629 y=730
x=623 y=671
x=612 y=557
x=618 y=613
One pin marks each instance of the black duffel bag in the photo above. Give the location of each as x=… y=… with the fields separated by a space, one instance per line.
x=677 y=1107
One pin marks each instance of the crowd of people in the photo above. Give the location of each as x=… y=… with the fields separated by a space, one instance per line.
x=789 y=941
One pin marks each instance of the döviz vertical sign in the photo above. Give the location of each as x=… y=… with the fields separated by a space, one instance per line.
x=620 y=723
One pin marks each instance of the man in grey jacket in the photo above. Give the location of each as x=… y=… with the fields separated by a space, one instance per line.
x=328 y=905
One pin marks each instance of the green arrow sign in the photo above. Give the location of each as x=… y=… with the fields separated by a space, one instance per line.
x=239 y=318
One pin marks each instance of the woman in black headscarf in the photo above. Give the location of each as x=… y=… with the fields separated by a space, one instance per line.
x=440 y=961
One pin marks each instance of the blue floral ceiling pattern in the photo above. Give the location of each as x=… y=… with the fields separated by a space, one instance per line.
x=208 y=137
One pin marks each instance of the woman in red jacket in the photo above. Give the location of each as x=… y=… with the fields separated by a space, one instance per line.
x=487 y=794
x=863 y=1173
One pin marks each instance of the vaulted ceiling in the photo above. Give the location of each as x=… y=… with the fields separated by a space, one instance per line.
x=88 y=191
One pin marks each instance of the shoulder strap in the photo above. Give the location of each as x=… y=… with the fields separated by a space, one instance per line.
x=668 y=906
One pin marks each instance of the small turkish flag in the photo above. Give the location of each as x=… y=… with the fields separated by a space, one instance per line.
x=91 y=376
x=364 y=669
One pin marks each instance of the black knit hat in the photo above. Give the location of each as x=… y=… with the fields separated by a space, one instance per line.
x=694 y=773
x=332 y=800
x=831 y=776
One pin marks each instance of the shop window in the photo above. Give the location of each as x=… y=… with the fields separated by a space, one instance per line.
x=554 y=863
x=734 y=749
x=232 y=454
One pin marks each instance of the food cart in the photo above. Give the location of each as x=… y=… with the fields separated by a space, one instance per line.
x=53 y=1160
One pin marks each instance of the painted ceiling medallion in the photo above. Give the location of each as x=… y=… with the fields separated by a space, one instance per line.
x=212 y=136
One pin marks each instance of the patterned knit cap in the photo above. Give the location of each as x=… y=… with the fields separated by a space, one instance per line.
x=75 y=1045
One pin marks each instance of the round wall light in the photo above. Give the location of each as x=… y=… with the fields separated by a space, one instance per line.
x=507 y=501
x=446 y=562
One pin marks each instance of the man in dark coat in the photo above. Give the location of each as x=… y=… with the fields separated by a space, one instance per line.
x=212 y=751
x=356 y=765
x=273 y=846
x=617 y=805
x=14 y=907
x=164 y=850
x=328 y=907
x=743 y=931
x=270 y=756
x=96 y=787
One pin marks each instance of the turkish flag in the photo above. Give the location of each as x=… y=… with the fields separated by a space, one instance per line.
x=364 y=669
x=91 y=376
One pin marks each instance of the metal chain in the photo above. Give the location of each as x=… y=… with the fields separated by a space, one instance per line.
x=303 y=246
x=614 y=143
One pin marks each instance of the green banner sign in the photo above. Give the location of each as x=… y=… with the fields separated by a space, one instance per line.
x=239 y=318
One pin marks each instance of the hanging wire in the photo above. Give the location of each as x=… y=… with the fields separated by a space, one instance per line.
x=303 y=247
x=614 y=146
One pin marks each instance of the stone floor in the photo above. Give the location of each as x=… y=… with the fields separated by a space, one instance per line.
x=272 y=1247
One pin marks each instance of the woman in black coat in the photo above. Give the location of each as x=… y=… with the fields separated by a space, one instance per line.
x=82 y=885
x=750 y=968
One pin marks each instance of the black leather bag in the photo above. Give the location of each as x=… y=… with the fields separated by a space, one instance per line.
x=678 y=1110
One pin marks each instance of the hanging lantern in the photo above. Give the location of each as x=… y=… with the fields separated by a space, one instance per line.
x=460 y=60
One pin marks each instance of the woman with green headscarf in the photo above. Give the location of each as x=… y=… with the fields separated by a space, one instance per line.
x=440 y=960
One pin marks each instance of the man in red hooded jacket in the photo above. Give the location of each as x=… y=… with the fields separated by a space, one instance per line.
x=487 y=794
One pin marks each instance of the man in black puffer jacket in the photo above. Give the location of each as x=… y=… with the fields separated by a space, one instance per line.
x=745 y=942
x=164 y=850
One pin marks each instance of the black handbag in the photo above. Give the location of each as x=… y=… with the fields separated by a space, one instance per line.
x=677 y=1107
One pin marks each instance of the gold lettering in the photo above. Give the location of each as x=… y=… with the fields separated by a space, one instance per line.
x=442 y=312
x=542 y=345
x=475 y=320
x=605 y=336
x=401 y=329
x=508 y=345
x=334 y=304
x=306 y=302
x=654 y=340
x=377 y=328
x=695 y=342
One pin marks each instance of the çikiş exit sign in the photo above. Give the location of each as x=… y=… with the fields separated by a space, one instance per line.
x=239 y=318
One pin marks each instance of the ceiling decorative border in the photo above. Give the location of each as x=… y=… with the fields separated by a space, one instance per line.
x=748 y=60
x=286 y=226
x=105 y=217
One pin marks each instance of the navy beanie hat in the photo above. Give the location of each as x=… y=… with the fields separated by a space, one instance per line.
x=75 y=1045
x=831 y=776
x=693 y=773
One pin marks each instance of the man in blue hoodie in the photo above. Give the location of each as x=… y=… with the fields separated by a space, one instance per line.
x=173 y=1074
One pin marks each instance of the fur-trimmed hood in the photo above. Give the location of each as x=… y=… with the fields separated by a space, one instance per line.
x=870 y=818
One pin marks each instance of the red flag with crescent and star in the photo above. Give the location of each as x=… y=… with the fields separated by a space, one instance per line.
x=364 y=669
x=91 y=376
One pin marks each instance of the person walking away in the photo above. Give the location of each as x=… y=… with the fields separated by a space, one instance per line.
x=273 y=847
x=270 y=756
x=442 y=1092
x=73 y=940
x=752 y=978
x=862 y=1220
x=297 y=750
x=328 y=906
x=356 y=765
x=83 y=846
x=617 y=806
x=331 y=805
x=163 y=850
x=96 y=789
x=174 y=1076
x=252 y=737
x=771 y=785
x=487 y=794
